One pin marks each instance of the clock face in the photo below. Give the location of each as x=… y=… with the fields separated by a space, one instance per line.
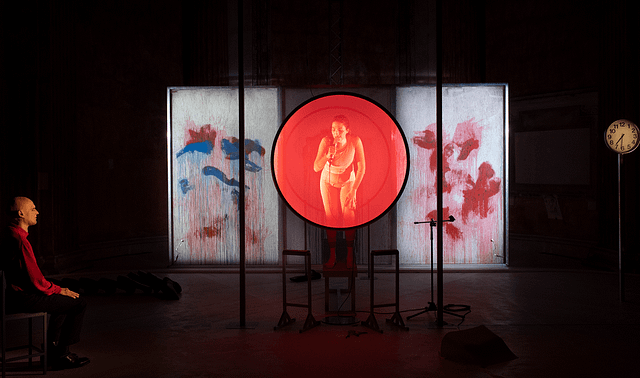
x=622 y=136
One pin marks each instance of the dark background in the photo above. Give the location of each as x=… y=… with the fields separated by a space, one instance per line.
x=83 y=105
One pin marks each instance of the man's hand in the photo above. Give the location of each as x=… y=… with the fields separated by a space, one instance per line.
x=66 y=292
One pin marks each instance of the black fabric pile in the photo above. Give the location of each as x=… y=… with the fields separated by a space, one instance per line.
x=140 y=281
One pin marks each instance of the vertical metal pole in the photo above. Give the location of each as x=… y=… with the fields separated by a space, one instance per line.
x=371 y=292
x=431 y=234
x=284 y=282
x=439 y=175
x=241 y=180
x=307 y=268
x=369 y=251
x=620 y=275
x=397 y=282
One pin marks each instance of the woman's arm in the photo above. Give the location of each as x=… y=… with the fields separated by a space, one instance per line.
x=360 y=163
x=323 y=155
x=358 y=159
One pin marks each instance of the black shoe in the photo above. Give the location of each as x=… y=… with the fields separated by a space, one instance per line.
x=70 y=361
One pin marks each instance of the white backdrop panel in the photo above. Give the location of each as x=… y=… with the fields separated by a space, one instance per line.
x=204 y=157
x=473 y=162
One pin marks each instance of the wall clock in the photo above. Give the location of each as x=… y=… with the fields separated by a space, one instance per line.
x=622 y=136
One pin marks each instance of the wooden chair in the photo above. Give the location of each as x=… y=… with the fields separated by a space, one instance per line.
x=33 y=350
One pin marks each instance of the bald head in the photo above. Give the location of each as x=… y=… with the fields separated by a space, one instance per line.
x=19 y=203
x=23 y=212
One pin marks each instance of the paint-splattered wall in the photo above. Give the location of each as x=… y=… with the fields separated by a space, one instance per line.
x=204 y=160
x=474 y=175
x=203 y=132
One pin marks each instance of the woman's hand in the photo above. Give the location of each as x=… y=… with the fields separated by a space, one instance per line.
x=331 y=152
x=68 y=293
x=350 y=201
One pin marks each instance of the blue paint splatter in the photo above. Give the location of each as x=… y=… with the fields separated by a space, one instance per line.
x=231 y=149
x=204 y=147
x=232 y=152
x=184 y=185
x=215 y=172
x=251 y=166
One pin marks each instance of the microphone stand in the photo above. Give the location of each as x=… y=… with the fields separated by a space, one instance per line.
x=432 y=305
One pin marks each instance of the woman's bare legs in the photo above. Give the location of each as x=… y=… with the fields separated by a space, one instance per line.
x=350 y=235
x=331 y=238
x=348 y=212
x=331 y=201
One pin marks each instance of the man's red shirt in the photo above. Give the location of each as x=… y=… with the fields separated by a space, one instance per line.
x=20 y=266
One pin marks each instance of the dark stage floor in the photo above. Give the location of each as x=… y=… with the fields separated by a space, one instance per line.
x=564 y=323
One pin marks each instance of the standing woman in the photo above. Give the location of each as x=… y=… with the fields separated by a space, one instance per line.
x=341 y=160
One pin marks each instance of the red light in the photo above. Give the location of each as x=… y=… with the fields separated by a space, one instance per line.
x=370 y=150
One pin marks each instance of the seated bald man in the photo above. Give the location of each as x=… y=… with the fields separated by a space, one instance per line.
x=28 y=290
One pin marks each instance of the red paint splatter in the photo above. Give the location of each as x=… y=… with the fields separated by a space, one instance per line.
x=253 y=237
x=205 y=134
x=213 y=231
x=467 y=137
x=425 y=139
x=476 y=199
x=466 y=148
x=449 y=228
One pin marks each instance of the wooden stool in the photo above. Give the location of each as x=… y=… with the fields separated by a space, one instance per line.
x=340 y=270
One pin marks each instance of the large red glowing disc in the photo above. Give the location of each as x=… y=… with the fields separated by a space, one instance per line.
x=386 y=156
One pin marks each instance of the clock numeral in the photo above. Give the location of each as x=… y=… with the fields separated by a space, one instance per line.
x=611 y=142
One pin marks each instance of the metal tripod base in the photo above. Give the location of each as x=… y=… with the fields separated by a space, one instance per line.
x=432 y=307
x=396 y=320
x=285 y=320
x=309 y=323
x=372 y=323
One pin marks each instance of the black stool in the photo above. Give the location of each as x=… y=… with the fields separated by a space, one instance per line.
x=285 y=319
x=396 y=319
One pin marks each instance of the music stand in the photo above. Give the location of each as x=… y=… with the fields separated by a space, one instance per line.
x=432 y=306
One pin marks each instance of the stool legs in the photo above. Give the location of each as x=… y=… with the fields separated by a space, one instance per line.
x=396 y=319
x=285 y=319
x=371 y=320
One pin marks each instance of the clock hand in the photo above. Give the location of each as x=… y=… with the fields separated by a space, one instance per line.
x=619 y=140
